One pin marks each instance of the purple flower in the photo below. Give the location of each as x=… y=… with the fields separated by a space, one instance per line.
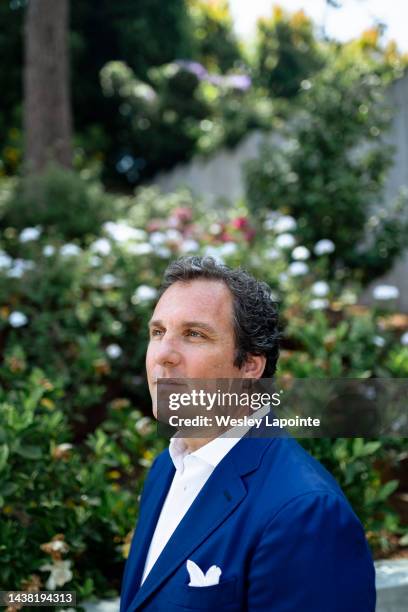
x=234 y=81
x=193 y=67
x=238 y=81
x=215 y=79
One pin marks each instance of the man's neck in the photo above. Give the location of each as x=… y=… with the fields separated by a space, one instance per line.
x=194 y=444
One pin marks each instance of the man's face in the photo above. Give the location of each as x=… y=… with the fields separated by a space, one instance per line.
x=191 y=334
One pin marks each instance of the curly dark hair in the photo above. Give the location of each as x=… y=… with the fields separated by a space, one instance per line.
x=255 y=312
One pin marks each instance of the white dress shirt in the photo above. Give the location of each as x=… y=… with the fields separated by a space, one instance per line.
x=192 y=472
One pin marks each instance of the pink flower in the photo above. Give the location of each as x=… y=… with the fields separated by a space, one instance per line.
x=183 y=214
x=249 y=234
x=226 y=237
x=154 y=225
x=240 y=223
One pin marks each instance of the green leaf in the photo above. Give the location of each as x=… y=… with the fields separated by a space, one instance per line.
x=4 y=453
x=370 y=448
x=387 y=489
x=29 y=452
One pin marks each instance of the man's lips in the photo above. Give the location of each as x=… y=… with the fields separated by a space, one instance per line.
x=169 y=382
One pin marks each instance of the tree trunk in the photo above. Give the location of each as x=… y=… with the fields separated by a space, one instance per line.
x=47 y=106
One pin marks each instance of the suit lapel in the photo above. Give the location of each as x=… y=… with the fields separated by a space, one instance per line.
x=221 y=494
x=147 y=520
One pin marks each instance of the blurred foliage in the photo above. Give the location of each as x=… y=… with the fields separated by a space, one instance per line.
x=184 y=110
x=216 y=45
x=79 y=528
x=56 y=201
x=119 y=31
x=329 y=163
x=354 y=464
x=80 y=267
x=287 y=52
x=73 y=393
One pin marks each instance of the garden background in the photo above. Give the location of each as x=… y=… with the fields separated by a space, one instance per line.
x=95 y=102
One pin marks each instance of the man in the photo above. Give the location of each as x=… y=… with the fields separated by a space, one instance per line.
x=251 y=524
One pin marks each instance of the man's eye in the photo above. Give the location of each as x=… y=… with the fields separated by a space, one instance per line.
x=156 y=332
x=195 y=334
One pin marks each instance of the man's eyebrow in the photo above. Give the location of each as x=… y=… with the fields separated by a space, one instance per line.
x=155 y=323
x=200 y=324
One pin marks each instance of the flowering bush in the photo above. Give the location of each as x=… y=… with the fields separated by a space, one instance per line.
x=182 y=110
x=73 y=335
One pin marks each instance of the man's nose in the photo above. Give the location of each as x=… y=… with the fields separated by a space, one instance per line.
x=168 y=353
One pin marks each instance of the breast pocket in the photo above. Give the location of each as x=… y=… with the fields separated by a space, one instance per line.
x=222 y=595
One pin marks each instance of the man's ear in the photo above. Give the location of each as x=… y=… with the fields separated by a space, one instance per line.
x=254 y=366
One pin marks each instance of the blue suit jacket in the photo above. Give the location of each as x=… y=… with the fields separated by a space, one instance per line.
x=275 y=522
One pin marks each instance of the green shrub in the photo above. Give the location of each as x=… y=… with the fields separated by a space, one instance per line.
x=329 y=163
x=55 y=490
x=79 y=314
x=59 y=201
x=287 y=53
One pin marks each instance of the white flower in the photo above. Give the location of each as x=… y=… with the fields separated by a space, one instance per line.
x=102 y=246
x=269 y=224
x=95 y=261
x=20 y=266
x=404 y=339
x=59 y=544
x=144 y=462
x=173 y=235
x=5 y=260
x=378 y=341
x=318 y=303
x=17 y=319
x=301 y=253
x=48 y=250
x=143 y=293
x=108 y=280
x=285 y=241
x=189 y=246
x=60 y=574
x=271 y=219
x=113 y=351
x=30 y=233
x=272 y=254
x=324 y=246
x=215 y=228
x=144 y=426
x=348 y=297
x=298 y=268
x=386 y=292
x=141 y=248
x=214 y=252
x=157 y=238
x=121 y=231
x=227 y=249
x=320 y=288
x=163 y=252
x=285 y=223
x=70 y=250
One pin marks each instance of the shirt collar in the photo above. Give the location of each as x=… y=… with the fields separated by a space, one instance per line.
x=214 y=451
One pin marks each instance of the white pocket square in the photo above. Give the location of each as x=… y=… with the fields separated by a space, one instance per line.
x=199 y=579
